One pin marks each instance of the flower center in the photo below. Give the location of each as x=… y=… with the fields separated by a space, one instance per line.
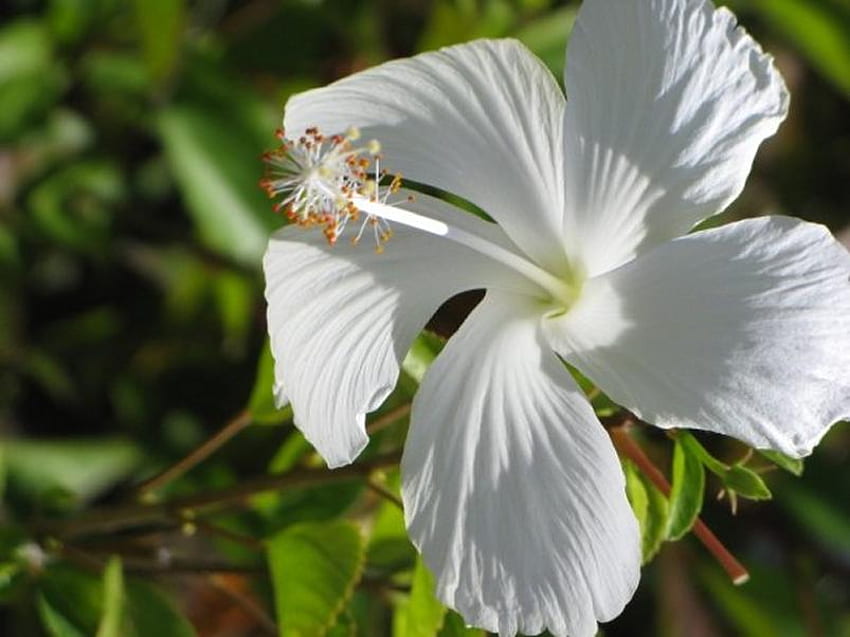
x=327 y=182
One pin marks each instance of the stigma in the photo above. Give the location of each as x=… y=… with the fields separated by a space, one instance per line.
x=320 y=180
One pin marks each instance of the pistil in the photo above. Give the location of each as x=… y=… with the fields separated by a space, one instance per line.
x=326 y=182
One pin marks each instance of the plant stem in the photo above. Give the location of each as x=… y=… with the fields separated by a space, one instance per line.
x=116 y=518
x=385 y=493
x=197 y=455
x=387 y=419
x=627 y=447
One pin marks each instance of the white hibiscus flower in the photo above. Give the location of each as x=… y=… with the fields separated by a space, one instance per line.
x=512 y=489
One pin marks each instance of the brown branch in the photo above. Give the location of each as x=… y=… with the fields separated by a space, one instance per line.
x=122 y=517
x=197 y=455
x=385 y=493
x=389 y=418
x=627 y=447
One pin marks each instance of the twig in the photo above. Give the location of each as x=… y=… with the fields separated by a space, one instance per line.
x=627 y=447
x=387 y=419
x=238 y=538
x=115 y=518
x=385 y=493
x=197 y=455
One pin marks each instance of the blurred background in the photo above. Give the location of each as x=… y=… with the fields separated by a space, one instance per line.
x=132 y=319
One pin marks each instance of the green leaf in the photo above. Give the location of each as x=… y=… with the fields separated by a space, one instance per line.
x=70 y=601
x=695 y=448
x=217 y=172
x=650 y=508
x=30 y=77
x=422 y=614
x=151 y=612
x=821 y=30
x=791 y=465
x=113 y=600
x=74 y=603
x=687 y=491
x=261 y=404
x=234 y=296
x=826 y=520
x=422 y=353
x=454 y=626
x=389 y=545
x=160 y=24
x=453 y=21
x=83 y=467
x=314 y=568
x=746 y=483
x=547 y=37
x=55 y=623
x=748 y=618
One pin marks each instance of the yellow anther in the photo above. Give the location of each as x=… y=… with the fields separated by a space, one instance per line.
x=374 y=147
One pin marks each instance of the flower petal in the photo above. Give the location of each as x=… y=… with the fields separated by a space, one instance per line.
x=668 y=103
x=512 y=489
x=743 y=330
x=480 y=120
x=341 y=318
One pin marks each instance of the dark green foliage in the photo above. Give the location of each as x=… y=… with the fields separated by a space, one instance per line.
x=132 y=328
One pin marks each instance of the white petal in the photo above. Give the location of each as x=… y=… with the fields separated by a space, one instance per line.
x=743 y=330
x=668 y=103
x=341 y=318
x=512 y=489
x=480 y=120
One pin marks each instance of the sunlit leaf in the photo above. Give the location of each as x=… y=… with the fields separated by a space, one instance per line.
x=820 y=29
x=389 y=546
x=453 y=21
x=83 y=467
x=547 y=35
x=30 y=77
x=650 y=508
x=421 y=615
x=217 y=172
x=454 y=626
x=111 y=620
x=314 y=568
x=686 y=494
x=422 y=353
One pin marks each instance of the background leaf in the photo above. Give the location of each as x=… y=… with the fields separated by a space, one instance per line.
x=650 y=507
x=746 y=483
x=686 y=493
x=314 y=568
x=217 y=170
x=422 y=614
x=821 y=30
x=112 y=618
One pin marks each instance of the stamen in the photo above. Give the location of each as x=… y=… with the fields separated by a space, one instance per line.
x=325 y=182
x=318 y=176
